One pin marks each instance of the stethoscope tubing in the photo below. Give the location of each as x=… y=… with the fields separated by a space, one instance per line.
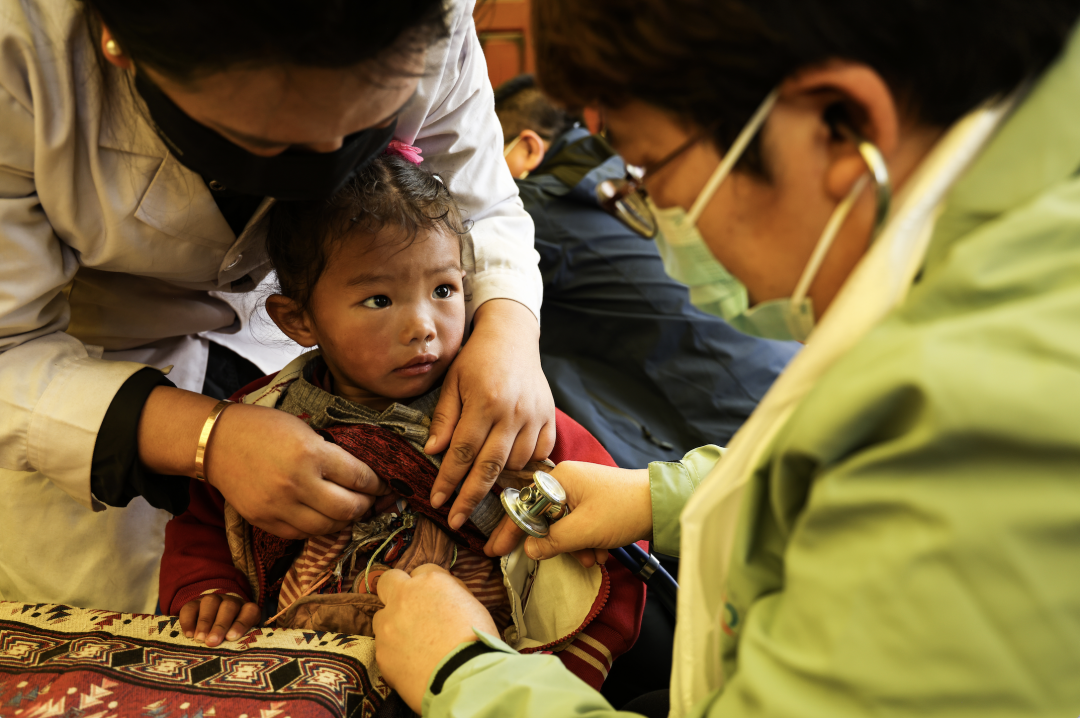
x=647 y=568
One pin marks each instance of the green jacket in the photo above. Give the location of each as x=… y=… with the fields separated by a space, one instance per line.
x=912 y=545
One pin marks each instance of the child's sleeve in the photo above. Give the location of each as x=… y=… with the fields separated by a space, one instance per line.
x=197 y=559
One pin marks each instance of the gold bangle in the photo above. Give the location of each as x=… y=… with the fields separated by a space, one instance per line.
x=204 y=438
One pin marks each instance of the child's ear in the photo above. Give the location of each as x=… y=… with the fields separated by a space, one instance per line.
x=291 y=320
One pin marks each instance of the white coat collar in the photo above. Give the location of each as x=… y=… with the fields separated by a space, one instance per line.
x=177 y=202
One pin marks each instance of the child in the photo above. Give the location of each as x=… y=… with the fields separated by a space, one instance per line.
x=375 y=279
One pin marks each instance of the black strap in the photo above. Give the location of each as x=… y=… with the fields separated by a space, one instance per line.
x=457 y=661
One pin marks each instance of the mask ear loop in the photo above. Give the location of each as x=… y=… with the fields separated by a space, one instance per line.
x=731 y=157
x=879 y=172
x=513 y=143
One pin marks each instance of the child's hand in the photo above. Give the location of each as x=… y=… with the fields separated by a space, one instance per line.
x=221 y=613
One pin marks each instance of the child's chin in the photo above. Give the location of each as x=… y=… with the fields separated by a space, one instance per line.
x=407 y=387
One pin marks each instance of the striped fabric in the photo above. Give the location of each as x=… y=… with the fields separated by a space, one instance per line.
x=480 y=574
x=483 y=577
x=319 y=556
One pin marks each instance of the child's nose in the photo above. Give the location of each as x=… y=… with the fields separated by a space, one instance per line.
x=421 y=329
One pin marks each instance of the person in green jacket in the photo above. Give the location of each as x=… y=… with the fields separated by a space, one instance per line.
x=895 y=530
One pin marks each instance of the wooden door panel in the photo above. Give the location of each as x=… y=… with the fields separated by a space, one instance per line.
x=503 y=29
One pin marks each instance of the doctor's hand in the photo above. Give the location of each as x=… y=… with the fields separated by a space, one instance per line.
x=610 y=507
x=426 y=616
x=495 y=410
x=275 y=471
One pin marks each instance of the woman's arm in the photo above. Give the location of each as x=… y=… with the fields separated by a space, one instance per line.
x=496 y=409
x=278 y=473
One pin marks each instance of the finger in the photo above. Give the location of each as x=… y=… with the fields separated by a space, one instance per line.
x=249 y=616
x=302 y=522
x=344 y=469
x=389 y=584
x=283 y=530
x=447 y=413
x=427 y=568
x=545 y=442
x=570 y=533
x=226 y=614
x=602 y=555
x=189 y=613
x=468 y=440
x=487 y=467
x=208 y=607
x=504 y=539
x=524 y=447
x=586 y=557
x=376 y=622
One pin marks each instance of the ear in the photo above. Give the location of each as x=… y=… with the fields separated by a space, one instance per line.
x=112 y=50
x=291 y=320
x=535 y=147
x=527 y=154
x=868 y=103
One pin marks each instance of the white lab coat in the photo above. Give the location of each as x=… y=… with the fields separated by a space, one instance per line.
x=113 y=256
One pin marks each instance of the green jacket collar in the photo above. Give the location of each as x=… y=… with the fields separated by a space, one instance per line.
x=1037 y=147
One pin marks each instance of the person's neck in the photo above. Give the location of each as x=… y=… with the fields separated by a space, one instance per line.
x=326 y=381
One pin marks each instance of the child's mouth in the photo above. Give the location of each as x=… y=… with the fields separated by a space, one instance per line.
x=418 y=365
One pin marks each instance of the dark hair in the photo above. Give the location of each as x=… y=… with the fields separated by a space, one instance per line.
x=521 y=105
x=182 y=40
x=390 y=199
x=712 y=62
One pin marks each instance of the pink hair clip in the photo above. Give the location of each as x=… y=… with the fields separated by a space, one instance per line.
x=412 y=154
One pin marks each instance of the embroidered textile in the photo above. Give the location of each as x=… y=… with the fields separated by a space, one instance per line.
x=61 y=661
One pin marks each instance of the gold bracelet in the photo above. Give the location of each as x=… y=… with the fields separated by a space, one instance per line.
x=204 y=438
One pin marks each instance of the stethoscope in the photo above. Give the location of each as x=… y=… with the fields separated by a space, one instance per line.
x=535 y=507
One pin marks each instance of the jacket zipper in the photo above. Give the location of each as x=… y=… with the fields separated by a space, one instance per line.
x=605 y=593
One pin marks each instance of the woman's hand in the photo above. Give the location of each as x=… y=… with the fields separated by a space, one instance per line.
x=276 y=472
x=609 y=508
x=426 y=616
x=214 y=614
x=495 y=410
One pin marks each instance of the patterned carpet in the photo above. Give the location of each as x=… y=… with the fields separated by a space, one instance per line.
x=79 y=663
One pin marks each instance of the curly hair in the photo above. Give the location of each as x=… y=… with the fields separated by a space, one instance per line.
x=391 y=198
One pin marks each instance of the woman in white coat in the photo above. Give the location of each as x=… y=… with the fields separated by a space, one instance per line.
x=139 y=145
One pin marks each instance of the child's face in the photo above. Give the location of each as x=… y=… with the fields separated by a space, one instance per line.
x=390 y=318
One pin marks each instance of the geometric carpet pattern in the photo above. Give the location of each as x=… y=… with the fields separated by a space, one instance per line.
x=56 y=660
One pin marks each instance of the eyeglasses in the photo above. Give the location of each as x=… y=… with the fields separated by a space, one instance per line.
x=624 y=198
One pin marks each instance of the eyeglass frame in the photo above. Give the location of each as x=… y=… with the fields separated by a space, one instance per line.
x=624 y=198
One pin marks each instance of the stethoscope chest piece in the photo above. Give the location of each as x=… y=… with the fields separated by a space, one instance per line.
x=537 y=505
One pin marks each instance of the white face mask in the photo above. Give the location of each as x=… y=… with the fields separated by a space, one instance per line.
x=713 y=289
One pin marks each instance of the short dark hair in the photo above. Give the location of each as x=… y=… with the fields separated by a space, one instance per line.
x=182 y=40
x=391 y=198
x=712 y=62
x=521 y=105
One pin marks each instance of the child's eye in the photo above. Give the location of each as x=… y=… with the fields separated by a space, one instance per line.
x=379 y=301
x=443 y=291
